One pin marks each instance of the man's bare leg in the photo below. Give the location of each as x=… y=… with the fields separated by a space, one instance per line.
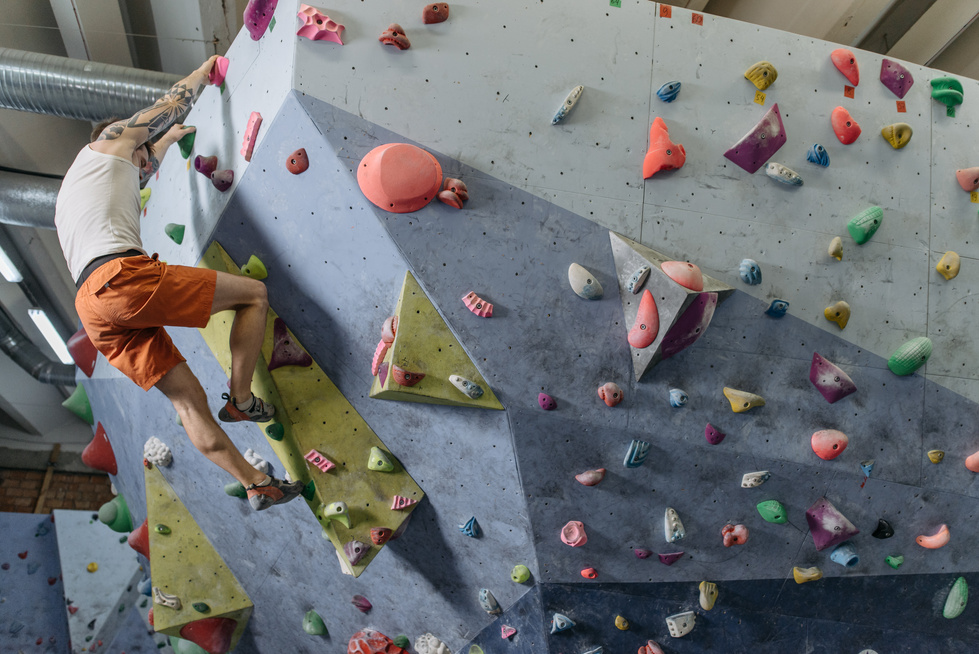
x=249 y=299
x=190 y=401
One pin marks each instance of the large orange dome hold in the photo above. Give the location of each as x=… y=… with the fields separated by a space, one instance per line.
x=399 y=177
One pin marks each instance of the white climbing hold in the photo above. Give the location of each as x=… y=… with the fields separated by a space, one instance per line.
x=163 y=599
x=755 y=479
x=681 y=624
x=156 y=452
x=672 y=526
x=429 y=644
x=256 y=461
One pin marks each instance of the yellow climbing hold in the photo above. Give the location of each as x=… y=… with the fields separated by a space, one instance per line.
x=838 y=313
x=762 y=75
x=742 y=401
x=836 y=248
x=254 y=268
x=949 y=265
x=897 y=135
x=708 y=595
x=936 y=456
x=621 y=623
x=92 y=567
x=802 y=575
x=144 y=197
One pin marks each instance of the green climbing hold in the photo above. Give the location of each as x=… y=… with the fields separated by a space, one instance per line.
x=402 y=641
x=162 y=529
x=379 y=461
x=520 y=574
x=475 y=649
x=254 y=268
x=313 y=624
x=115 y=514
x=78 y=404
x=275 y=431
x=122 y=607
x=175 y=232
x=949 y=92
x=865 y=224
x=309 y=491
x=336 y=511
x=235 y=489
x=957 y=598
x=201 y=607
x=186 y=144
x=123 y=539
x=910 y=356
x=772 y=511
x=144 y=197
x=181 y=646
x=894 y=561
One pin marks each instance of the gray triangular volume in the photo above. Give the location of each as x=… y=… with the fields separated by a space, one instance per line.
x=672 y=300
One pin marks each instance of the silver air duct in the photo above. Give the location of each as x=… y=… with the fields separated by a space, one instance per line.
x=28 y=200
x=27 y=355
x=74 y=88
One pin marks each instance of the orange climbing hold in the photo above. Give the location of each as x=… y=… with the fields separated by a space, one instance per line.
x=663 y=154
x=685 y=274
x=369 y=641
x=939 y=539
x=98 y=454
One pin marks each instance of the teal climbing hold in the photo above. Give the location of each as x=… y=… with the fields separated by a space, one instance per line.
x=471 y=528
x=201 y=607
x=275 y=431
x=313 y=624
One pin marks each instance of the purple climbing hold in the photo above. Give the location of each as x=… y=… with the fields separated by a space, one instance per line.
x=829 y=379
x=546 y=402
x=382 y=373
x=4 y=566
x=757 y=146
x=895 y=77
x=827 y=525
x=362 y=603
x=205 y=165
x=713 y=434
x=670 y=558
x=222 y=179
x=257 y=16
x=642 y=553
x=690 y=326
x=355 y=551
x=285 y=351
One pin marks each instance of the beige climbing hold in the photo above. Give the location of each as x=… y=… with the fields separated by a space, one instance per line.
x=802 y=575
x=948 y=266
x=897 y=134
x=936 y=456
x=836 y=248
x=838 y=313
x=742 y=401
x=708 y=595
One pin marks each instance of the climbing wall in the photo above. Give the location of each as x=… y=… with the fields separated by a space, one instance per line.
x=541 y=198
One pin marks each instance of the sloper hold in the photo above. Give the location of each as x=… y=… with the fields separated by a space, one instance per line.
x=897 y=134
x=180 y=560
x=583 y=283
x=895 y=77
x=742 y=401
x=772 y=511
x=217 y=74
x=313 y=624
x=846 y=62
x=379 y=461
x=568 y=104
x=818 y=155
x=759 y=145
x=560 y=622
x=636 y=455
x=78 y=404
x=761 y=74
x=318 y=26
x=684 y=273
x=257 y=16
x=949 y=264
x=839 y=313
x=835 y=249
x=663 y=154
x=939 y=539
x=910 y=356
x=936 y=456
x=646 y=327
x=672 y=526
x=621 y=623
x=669 y=91
x=435 y=12
x=958 y=597
x=83 y=351
x=175 y=232
x=681 y=624
x=546 y=402
x=827 y=525
x=589 y=573
x=845 y=126
x=591 y=477
x=285 y=350
x=750 y=272
x=520 y=574
x=298 y=162
x=829 y=379
x=114 y=514
x=98 y=454
x=399 y=177
x=802 y=575
x=477 y=305
x=968 y=178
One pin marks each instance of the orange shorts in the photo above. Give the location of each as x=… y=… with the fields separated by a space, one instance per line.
x=125 y=303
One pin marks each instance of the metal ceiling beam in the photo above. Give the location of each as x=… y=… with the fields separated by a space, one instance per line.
x=935 y=30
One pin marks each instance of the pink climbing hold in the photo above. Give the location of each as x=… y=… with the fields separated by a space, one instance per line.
x=399 y=177
x=218 y=71
x=646 y=327
x=251 y=135
x=690 y=326
x=406 y=377
x=285 y=351
x=399 y=503
x=318 y=26
x=829 y=379
x=506 y=631
x=257 y=16
x=389 y=329
x=713 y=435
x=362 y=603
x=827 y=525
x=610 y=393
x=651 y=647
x=83 y=351
x=591 y=477
x=972 y=462
x=379 y=352
x=829 y=443
x=573 y=534
x=222 y=179
x=436 y=12
x=734 y=535
x=546 y=402
x=846 y=62
x=589 y=573
x=670 y=558
x=98 y=453
x=213 y=635
x=382 y=373
x=139 y=539
x=395 y=35
x=663 y=154
x=319 y=461
x=454 y=192
x=968 y=178
x=844 y=126
x=642 y=553
x=205 y=165
x=939 y=539
x=685 y=274
x=477 y=305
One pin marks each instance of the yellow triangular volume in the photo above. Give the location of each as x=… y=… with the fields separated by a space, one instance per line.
x=424 y=344
x=184 y=564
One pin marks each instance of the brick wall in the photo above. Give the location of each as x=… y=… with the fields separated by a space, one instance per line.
x=19 y=490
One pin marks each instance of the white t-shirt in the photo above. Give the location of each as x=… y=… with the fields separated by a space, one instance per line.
x=97 y=212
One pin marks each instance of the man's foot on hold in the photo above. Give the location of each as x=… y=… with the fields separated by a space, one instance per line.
x=255 y=411
x=274 y=491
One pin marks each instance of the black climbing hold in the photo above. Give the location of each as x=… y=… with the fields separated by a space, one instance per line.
x=883 y=530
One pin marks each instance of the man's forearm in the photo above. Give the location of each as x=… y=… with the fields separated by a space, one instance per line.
x=165 y=111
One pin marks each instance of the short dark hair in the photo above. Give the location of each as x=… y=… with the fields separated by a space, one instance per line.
x=100 y=127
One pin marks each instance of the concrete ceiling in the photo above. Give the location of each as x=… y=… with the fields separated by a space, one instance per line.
x=174 y=36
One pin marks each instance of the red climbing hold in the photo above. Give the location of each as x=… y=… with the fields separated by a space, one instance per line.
x=22 y=555
x=74 y=609
x=395 y=35
x=406 y=377
x=369 y=641
x=436 y=12
x=211 y=634
x=139 y=539
x=98 y=454
x=285 y=351
x=149 y=617
x=298 y=162
x=380 y=535
x=83 y=351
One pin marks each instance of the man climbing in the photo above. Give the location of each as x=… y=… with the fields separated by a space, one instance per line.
x=126 y=297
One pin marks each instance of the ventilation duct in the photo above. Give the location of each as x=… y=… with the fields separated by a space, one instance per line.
x=28 y=200
x=27 y=355
x=73 y=88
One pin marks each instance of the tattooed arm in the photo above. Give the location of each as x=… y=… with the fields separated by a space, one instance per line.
x=160 y=148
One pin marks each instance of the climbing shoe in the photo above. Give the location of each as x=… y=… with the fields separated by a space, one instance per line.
x=258 y=411
x=275 y=492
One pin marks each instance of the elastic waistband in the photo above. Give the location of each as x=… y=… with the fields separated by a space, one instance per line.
x=98 y=262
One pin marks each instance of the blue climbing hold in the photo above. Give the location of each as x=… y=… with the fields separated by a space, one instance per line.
x=561 y=623
x=867 y=467
x=677 y=398
x=817 y=154
x=750 y=272
x=669 y=91
x=471 y=528
x=777 y=308
x=636 y=455
x=638 y=279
